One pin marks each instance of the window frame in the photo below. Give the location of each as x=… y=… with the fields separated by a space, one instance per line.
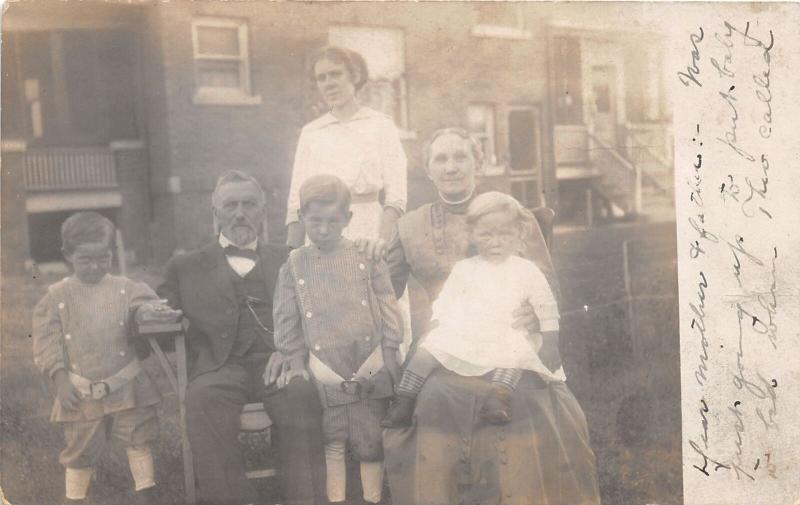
x=539 y=154
x=399 y=83
x=488 y=30
x=491 y=167
x=535 y=174
x=223 y=95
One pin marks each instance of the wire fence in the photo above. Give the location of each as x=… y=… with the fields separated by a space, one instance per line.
x=619 y=339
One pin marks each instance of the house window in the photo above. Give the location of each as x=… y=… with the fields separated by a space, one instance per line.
x=384 y=51
x=504 y=20
x=480 y=121
x=221 y=62
x=525 y=154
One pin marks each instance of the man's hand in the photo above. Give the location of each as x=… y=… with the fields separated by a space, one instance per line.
x=157 y=313
x=391 y=363
x=549 y=353
x=374 y=249
x=525 y=317
x=67 y=394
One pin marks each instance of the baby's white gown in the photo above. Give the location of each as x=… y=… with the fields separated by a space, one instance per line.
x=474 y=310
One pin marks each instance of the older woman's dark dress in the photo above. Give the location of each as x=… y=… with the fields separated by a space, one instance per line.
x=452 y=456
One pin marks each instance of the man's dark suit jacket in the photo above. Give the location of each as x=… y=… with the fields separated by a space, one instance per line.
x=200 y=284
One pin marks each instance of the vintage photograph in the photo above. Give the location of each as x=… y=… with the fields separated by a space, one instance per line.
x=414 y=253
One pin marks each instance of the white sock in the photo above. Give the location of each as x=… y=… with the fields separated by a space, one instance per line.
x=372 y=480
x=336 y=471
x=77 y=482
x=140 y=460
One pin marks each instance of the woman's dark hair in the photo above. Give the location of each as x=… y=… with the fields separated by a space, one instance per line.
x=352 y=61
x=85 y=228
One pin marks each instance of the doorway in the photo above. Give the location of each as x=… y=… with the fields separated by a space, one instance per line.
x=604 y=101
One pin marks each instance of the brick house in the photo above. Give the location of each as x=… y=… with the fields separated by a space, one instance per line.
x=135 y=109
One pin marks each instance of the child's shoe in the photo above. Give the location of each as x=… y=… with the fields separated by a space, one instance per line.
x=146 y=496
x=400 y=412
x=497 y=408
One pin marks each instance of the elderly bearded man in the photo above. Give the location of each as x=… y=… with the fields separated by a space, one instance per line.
x=225 y=291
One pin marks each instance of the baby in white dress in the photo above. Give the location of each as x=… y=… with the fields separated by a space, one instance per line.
x=473 y=333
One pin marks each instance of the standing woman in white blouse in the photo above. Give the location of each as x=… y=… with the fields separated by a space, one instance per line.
x=359 y=145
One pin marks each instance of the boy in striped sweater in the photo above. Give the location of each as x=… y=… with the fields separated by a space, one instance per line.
x=80 y=341
x=336 y=317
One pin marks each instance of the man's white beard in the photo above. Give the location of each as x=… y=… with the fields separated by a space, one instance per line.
x=241 y=235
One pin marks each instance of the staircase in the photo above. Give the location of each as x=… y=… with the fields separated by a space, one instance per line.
x=656 y=162
x=635 y=182
x=621 y=181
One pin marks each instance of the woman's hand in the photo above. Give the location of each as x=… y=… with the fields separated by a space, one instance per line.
x=525 y=317
x=374 y=249
x=390 y=361
x=549 y=353
x=66 y=392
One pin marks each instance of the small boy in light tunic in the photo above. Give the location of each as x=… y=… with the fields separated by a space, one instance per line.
x=81 y=330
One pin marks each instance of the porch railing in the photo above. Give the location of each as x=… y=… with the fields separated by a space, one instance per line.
x=656 y=136
x=657 y=169
x=52 y=169
x=622 y=180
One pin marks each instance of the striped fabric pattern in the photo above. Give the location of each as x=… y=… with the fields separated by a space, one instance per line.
x=508 y=377
x=337 y=306
x=410 y=383
x=85 y=326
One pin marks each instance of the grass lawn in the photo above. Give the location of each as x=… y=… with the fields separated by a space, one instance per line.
x=625 y=375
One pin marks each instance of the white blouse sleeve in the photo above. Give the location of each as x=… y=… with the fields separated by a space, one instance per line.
x=300 y=172
x=541 y=298
x=395 y=168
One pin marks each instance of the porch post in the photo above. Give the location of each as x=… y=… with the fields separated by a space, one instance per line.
x=14 y=224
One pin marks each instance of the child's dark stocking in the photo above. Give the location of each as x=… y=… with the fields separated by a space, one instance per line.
x=402 y=408
x=497 y=408
x=419 y=368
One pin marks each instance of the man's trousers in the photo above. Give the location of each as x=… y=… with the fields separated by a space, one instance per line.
x=214 y=403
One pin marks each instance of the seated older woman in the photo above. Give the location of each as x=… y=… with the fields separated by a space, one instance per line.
x=451 y=454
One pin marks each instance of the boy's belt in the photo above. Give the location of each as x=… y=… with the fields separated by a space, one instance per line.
x=360 y=386
x=97 y=390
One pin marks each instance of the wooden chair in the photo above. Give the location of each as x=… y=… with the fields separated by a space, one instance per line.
x=254 y=418
x=545 y=216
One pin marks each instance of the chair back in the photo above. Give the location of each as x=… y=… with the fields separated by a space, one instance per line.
x=545 y=217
